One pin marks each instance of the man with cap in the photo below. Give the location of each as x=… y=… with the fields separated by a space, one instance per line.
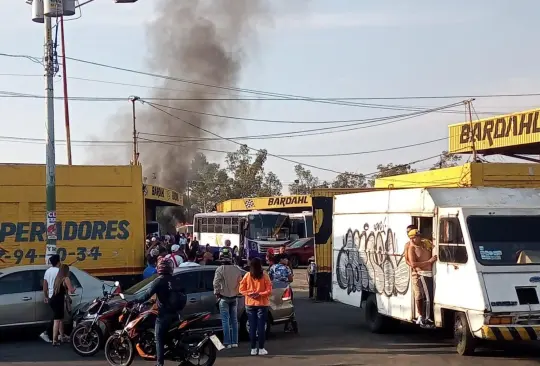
x=421 y=260
x=226 y=283
x=175 y=256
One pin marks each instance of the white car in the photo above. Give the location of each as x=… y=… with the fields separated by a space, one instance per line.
x=22 y=299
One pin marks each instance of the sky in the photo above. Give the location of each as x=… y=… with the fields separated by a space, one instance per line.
x=316 y=49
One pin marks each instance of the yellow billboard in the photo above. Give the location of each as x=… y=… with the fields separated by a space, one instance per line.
x=166 y=195
x=496 y=134
x=275 y=203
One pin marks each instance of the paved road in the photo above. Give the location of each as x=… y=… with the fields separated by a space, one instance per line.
x=330 y=335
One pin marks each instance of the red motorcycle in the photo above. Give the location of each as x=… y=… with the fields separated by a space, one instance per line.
x=185 y=343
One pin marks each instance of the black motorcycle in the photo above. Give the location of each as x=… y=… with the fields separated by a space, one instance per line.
x=185 y=342
x=94 y=322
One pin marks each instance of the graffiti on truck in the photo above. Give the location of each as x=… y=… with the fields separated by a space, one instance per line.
x=369 y=261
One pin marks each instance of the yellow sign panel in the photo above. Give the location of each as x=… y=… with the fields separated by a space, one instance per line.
x=265 y=203
x=152 y=192
x=493 y=133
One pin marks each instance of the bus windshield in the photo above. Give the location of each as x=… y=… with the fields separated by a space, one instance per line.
x=271 y=227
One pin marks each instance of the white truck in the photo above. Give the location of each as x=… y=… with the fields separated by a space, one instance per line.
x=486 y=278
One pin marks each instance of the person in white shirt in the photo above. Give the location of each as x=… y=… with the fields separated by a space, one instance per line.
x=48 y=290
x=192 y=256
x=175 y=257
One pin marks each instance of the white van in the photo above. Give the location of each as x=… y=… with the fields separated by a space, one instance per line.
x=486 y=278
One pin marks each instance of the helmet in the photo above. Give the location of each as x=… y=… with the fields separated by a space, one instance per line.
x=165 y=266
x=225 y=255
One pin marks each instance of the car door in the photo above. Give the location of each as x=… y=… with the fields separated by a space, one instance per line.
x=43 y=311
x=208 y=299
x=76 y=297
x=17 y=298
x=188 y=283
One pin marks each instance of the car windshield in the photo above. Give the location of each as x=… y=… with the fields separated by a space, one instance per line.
x=141 y=286
x=505 y=240
x=297 y=244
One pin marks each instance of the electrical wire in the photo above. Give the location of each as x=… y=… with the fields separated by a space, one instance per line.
x=326 y=130
x=240 y=144
x=150 y=141
x=281 y=96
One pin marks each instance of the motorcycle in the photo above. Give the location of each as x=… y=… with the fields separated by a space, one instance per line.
x=92 y=323
x=184 y=343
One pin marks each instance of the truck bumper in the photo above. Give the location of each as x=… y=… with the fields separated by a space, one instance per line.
x=510 y=332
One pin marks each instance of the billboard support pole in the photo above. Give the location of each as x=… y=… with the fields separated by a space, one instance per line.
x=473 y=148
x=50 y=167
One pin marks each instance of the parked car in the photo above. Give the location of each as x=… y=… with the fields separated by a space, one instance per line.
x=300 y=250
x=22 y=299
x=197 y=284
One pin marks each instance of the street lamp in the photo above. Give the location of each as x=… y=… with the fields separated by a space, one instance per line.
x=42 y=12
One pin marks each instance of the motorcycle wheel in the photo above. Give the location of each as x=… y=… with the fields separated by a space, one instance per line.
x=86 y=342
x=206 y=356
x=119 y=350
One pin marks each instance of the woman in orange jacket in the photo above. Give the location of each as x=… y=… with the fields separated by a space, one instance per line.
x=256 y=288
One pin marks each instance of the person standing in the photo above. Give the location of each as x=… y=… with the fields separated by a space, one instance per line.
x=194 y=245
x=175 y=256
x=48 y=291
x=150 y=269
x=226 y=288
x=421 y=261
x=191 y=262
x=169 y=302
x=62 y=287
x=256 y=287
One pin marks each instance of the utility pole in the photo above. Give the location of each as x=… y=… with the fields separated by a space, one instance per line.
x=133 y=99
x=64 y=80
x=50 y=167
x=473 y=147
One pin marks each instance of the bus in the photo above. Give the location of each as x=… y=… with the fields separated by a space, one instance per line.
x=184 y=229
x=301 y=225
x=253 y=232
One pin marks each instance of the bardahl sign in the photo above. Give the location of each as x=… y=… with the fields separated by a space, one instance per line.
x=288 y=201
x=488 y=130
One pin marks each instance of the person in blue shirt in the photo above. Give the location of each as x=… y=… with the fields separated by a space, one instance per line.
x=150 y=270
x=280 y=271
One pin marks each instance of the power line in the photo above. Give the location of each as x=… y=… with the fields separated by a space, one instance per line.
x=244 y=145
x=279 y=96
x=327 y=130
x=149 y=141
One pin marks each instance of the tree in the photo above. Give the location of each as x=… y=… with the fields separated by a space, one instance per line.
x=390 y=170
x=446 y=160
x=207 y=185
x=304 y=182
x=271 y=186
x=248 y=178
x=349 y=180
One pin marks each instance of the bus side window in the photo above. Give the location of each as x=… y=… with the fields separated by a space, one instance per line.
x=451 y=243
x=227 y=225
x=235 y=225
x=204 y=225
x=211 y=224
x=218 y=228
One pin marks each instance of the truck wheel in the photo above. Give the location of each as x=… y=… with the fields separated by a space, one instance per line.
x=377 y=323
x=463 y=338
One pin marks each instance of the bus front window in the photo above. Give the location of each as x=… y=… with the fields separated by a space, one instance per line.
x=267 y=227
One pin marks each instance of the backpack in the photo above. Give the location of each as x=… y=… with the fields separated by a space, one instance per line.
x=177 y=299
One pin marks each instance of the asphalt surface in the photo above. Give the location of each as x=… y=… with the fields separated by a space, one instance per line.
x=331 y=334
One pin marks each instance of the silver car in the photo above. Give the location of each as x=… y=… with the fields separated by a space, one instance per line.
x=197 y=283
x=22 y=299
